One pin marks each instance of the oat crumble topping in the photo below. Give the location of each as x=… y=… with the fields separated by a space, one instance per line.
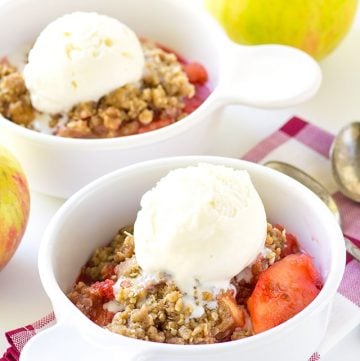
x=155 y=310
x=157 y=100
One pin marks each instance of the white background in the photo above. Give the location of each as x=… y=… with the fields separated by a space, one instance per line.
x=22 y=299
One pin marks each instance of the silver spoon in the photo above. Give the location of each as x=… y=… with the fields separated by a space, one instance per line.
x=319 y=190
x=345 y=160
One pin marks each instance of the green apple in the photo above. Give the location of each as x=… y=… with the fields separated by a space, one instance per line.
x=14 y=205
x=315 y=26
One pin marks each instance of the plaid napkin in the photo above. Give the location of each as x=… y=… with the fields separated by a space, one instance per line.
x=19 y=337
x=307 y=147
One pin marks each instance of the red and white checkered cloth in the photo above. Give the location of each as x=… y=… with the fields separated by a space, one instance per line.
x=301 y=144
x=19 y=337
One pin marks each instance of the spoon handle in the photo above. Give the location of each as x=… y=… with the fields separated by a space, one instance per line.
x=352 y=249
x=319 y=190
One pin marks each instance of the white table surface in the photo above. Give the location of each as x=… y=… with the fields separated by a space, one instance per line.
x=22 y=298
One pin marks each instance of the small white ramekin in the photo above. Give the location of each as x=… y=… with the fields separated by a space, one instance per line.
x=92 y=216
x=269 y=76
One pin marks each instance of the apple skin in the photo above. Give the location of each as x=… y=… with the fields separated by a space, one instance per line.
x=315 y=26
x=14 y=205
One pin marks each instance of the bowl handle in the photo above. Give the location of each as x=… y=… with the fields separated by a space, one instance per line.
x=266 y=76
x=63 y=342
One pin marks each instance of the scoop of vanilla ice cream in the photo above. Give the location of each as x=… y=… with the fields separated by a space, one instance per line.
x=202 y=225
x=81 y=57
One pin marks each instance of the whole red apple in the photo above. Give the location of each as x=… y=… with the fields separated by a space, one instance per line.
x=14 y=205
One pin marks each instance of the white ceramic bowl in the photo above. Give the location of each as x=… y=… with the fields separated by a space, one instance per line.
x=93 y=216
x=262 y=76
